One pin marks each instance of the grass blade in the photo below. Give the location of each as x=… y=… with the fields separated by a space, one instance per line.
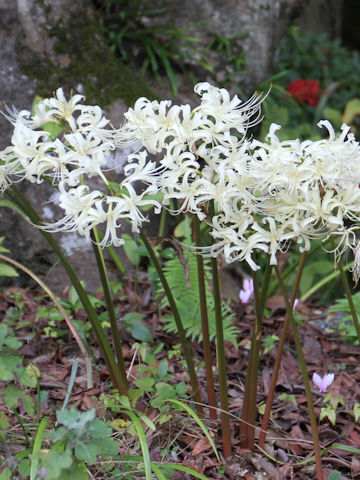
x=182 y=468
x=143 y=443
x=37 y=447
x=157 y=471
x=191 y=412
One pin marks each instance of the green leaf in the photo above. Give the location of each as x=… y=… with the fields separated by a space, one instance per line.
x=138 y=330
x=148 y=422
x=8 y=365
x=7 y=340
x=334 y=116
x=73 y=419
x=6 y=474
x=24 y=467
x=133 y=316
x=165 y=391
x=180 y=388
x=53 y=128
x=145 y=384
x=88 y=452
x=13 y=206
x=163 y=368
x=328 y=412
x=4 y=422
x=334 y=475
x=56 y=462
x=7 y=271
x=357 y=411
x=352 y=109
x=130 y=247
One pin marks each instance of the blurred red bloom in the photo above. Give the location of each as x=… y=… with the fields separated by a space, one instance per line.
x=304 y=90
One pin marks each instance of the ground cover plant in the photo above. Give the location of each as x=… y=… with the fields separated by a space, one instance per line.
x=244 y=200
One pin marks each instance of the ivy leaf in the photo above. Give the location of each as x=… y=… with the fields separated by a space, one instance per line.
x=328 y=412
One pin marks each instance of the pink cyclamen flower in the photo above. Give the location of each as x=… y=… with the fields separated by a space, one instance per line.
x=324 y=382
x=247 y=290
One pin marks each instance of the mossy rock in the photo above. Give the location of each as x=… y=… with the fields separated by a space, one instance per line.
x=81 y=56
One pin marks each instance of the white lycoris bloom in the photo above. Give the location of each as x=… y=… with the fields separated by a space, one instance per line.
x=301 y=190
x=226 y=112
x=64 y=109
x=265 y=195
x=9 y=168
x=68 y=143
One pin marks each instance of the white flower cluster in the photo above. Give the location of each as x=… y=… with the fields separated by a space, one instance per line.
x=265 y=194
x=69 y=143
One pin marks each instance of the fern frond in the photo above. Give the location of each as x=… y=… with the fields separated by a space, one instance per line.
x=185 y=287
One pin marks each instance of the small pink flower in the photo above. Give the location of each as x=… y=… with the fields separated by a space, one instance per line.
x=295 y=303
x=323 y=383
x=247 y=290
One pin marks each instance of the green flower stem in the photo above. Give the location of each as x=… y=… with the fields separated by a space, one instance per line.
x=114 y=257
x=220 y=353
x=162 y=223
x=248 y=416
x=205 y=323
x=349 y=298
x=275 y=374
x=265 y=286
x=110 y=308
x=224 y=400
x=109 y=358
x=179 y=325
x=301 y=360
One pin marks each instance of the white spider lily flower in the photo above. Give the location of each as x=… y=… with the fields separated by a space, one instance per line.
x=141 y=169
x=85 y=209
x=274 y=237
x=64 y=109
x=228 y=113
x=93 y=121
x=88 y=152
x=76 y=203
x=149 y=121
x=132 y=202
x=33 y=151
x=10 y=167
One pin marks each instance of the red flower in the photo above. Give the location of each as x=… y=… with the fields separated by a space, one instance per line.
x=304 y=90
